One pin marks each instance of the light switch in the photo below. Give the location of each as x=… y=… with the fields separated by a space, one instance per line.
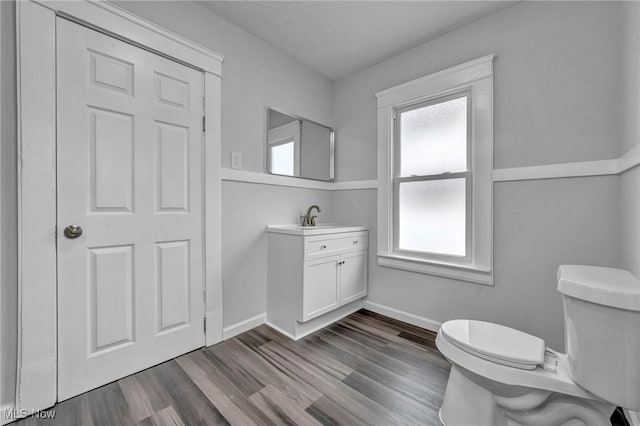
x=236 y=160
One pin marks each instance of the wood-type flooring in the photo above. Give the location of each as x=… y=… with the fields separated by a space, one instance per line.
x=366 y=369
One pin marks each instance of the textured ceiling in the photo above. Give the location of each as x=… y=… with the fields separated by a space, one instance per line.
x=338 y=38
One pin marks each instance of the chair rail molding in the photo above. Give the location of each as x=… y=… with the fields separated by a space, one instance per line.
x=614 y=166
x=36 y=378
x=293 y=182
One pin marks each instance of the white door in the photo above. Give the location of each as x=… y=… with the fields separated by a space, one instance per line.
x=130 y=174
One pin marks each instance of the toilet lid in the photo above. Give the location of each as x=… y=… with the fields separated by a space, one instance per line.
x=495 y=343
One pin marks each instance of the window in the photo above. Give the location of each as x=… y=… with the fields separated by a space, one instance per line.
x=435 y=142
x=283 y=148
x=432 y=179
x=282 y=158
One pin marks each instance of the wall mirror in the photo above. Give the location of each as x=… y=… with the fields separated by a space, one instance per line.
x=299 y=147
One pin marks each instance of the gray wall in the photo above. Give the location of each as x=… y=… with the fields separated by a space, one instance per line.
x=255 y=76
x=247 y=208
x=557 y=99
x=557 y=85
x=538 y=225
x=630 y=69
x=8 y=201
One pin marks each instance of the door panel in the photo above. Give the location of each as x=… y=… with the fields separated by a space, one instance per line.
x=130 y=173
x=111 y=153
x=320 y=287
x=172 y=177
x=172 y=284
x=111 y=297
x=353 y=277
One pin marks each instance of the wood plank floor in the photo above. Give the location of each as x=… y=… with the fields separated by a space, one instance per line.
x=366 y=369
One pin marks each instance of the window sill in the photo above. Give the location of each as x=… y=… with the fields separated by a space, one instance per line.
x=472 y=274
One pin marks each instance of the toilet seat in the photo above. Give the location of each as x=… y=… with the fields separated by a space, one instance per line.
x=495 y=343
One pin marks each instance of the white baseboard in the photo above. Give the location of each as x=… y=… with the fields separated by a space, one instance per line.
x=403 y=316
x=633 y=417
x=242 y=326
x=281 y=331
x=320 y=322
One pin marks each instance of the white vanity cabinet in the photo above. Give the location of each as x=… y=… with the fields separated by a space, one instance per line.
x=315 y=276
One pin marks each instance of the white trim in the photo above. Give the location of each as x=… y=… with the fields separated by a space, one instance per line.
x=330 y=319
x=213 y=209
x=1 y=239
x=124 y=24
x=36 y=386
x=458 y=75
x=267 y=179
x=475 y=77
x=242 y=326
x=629 y=160
x=632 y=416
x=36 y=375
x=319 y=325
x=561 y=170
x=394 y=313
x=246 y=176
x=548 y=171
x=281 y=331
x=614 y=166
x=440 y=269
x=355 y=184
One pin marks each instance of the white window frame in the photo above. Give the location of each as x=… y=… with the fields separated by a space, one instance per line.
x=476 y=78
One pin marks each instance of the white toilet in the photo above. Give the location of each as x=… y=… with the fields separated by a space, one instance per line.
x=502 y=376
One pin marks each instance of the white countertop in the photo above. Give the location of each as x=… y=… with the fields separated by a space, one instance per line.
x=319 y=229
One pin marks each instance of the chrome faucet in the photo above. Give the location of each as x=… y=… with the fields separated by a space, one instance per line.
x=309 y=220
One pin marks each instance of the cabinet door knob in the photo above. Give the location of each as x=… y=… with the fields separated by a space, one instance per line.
x=322 y=247
x=355 y=241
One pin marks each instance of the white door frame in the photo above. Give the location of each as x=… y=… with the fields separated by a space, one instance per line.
x=36 y=385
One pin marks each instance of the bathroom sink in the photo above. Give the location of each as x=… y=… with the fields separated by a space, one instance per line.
x=323 y=228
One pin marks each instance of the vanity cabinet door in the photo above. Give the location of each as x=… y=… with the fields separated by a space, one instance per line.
x=320 y=287
x=353 y=276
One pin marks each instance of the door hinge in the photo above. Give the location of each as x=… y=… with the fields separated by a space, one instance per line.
x=205 y=324
x=204 y=124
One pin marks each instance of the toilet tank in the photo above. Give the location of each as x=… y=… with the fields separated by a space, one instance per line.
x=602 y=331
